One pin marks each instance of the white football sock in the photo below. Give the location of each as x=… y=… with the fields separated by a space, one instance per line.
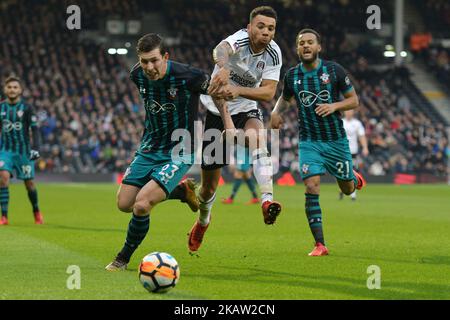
x=205 y=209
x=353 y=195
x=262 y=169
x=266 y=197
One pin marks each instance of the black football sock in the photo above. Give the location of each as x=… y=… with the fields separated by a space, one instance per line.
x=314 y=215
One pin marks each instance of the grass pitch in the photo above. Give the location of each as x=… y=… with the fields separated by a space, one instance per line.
x=402 y=229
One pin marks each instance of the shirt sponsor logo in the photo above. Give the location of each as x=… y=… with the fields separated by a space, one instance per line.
x=246 y=81
x=309 y=98
x=154 y=107
x=8 y=126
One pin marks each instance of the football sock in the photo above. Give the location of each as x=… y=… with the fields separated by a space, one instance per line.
x=266 y=197
x=137 y=230
x=262 y=169
x=205 y=209
x=314 y=215
x=251 y=186
x=236 y=185
x=33 y=196
x=353 y=195
x=178 y=193
x=4 y=200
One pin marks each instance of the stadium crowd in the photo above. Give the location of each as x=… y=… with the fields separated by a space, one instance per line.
x=90 y=114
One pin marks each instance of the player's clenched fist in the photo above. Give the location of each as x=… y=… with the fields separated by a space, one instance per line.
x=219 y=80
x=276 y=121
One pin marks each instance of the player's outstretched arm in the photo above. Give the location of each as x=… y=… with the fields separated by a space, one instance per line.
x=276 y=119
x=265 y=92
x=363 y=142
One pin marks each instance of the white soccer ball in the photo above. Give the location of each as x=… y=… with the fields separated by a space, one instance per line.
x=159 y=272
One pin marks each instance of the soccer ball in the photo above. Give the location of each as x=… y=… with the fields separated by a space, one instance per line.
x=159 y=272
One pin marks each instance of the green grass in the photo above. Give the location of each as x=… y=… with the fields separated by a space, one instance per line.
x=402 y=229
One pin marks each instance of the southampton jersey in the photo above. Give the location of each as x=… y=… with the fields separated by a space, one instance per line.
x=247 y=69
x=16 y=121
x=310 y=88
x=354 y=129
x=170 y=103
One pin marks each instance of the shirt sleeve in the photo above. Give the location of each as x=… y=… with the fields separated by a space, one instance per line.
x=288 y=93
x=273 y=68
x=343 y=81
x=199 y=82
x=237 y=39
x=32 y=118
x=32 y=121
x=134 y=75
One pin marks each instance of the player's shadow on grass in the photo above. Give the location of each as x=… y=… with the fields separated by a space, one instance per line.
x=55 y=226
x=348 y=286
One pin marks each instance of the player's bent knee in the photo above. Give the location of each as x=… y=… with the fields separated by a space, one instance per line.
x=4 y=179
x=312 y=188
x=141 y=208
x=347 y=190
x=124 y=207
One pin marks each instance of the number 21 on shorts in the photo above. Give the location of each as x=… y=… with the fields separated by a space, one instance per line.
x=343 y=168
x=167 y=172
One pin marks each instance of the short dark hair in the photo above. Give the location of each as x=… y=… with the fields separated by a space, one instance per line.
x=150 y=42
x=314 y=32
x=12 y=79
x=264 y=11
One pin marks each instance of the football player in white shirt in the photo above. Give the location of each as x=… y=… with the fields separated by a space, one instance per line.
x=355 y=132
x=247 y=70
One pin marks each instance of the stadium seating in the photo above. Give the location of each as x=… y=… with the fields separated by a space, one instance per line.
x=90 y=114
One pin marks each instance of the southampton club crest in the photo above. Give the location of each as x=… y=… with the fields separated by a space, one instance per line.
x=305 y=168
x=325 y=77
x=172 y=93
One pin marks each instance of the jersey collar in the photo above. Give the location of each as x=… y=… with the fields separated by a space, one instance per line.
x=313 y=70
x=16 y=104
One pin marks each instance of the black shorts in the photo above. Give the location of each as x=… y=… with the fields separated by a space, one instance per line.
x=215 y=122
